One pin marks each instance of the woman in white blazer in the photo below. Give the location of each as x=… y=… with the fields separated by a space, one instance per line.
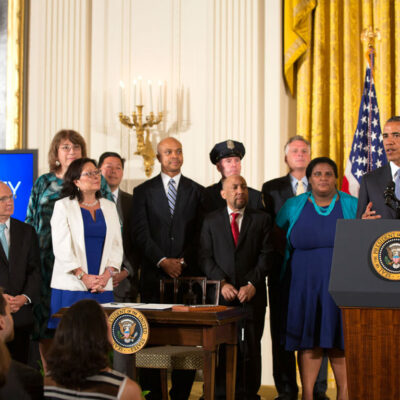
x=87 y=243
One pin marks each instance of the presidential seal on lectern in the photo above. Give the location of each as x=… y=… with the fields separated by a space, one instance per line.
x=385 y=255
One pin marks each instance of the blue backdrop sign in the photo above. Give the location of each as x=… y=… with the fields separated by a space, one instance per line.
x=18 y=169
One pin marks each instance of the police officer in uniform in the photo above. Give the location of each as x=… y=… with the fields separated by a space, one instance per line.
x=227 y=156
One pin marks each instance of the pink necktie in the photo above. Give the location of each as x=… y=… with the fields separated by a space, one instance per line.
x=235 y=228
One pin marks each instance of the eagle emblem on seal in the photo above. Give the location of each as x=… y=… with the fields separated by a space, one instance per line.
x=393 y=257
x=127 y=330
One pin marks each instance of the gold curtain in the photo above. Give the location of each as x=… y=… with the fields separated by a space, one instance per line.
x=328 y=75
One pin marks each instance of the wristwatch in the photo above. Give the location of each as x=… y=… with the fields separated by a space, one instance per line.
x=80 y=275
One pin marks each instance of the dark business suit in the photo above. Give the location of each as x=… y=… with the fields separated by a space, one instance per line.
x=214 y=201
x=372 y=188
x=247 y=262
x=156 y=235
x=275 y=193
x=22 y=383
x=127 y=290
x=20 y=274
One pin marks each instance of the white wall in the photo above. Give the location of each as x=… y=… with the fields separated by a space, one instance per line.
x=220 y=60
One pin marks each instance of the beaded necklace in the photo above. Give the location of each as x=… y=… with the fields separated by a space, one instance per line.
x=322 y=210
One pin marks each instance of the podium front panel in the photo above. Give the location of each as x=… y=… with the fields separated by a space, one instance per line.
x=354 y=282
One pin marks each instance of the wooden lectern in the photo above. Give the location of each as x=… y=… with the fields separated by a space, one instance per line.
x=371 y=310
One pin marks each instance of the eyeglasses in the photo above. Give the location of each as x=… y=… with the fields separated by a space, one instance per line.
x=4 y=199
x=91 y=174
x=67 y=147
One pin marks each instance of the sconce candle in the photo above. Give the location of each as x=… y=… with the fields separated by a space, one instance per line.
x=160 y=96
x=121 y=96
x=140 y=91
x=134 y=94
x=150 y=96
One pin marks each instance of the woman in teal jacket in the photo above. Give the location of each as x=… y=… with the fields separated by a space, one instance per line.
x=313 y=323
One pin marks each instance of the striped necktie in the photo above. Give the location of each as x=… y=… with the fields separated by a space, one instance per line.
x=171 y=195
x=3 y=239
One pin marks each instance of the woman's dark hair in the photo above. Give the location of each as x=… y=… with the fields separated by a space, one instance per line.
x=74 y=171
x=80 y=347
x=321 y=160
x=64 y=134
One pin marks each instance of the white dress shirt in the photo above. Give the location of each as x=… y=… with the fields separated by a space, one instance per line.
x=166 y=178
x=294 y=182
x=239 y=218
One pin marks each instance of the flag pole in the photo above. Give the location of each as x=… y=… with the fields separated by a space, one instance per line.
x=369 y=35
x=367 y=152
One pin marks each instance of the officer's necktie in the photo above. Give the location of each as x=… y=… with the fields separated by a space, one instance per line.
x=235 y=227
x=171 y=196
x=300 y=188
x=397 y=182
x=3 y=239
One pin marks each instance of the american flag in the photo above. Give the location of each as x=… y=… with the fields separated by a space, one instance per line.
x=367 y=152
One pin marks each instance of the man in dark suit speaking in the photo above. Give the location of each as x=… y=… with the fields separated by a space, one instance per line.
x=234 y=248
x=371 y=199
x=19 y=272
x=166 y=217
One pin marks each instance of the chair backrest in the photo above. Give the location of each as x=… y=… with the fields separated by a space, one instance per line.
x=189 y=291
x=212 y=292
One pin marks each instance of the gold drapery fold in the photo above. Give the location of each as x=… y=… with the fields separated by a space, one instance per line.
x=297 y=17
x=329 y=76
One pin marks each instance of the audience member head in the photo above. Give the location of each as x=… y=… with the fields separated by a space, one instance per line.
x=67 y=145
x=170 y=156
x=112 y=168
x=6 y=319
x=235 y=192
x=81 y=344
x=297 y=155
x=6 y=334
x=6 y=202
x=391 y=139
x=227 y=157
x=82 y=177
x=322 y=174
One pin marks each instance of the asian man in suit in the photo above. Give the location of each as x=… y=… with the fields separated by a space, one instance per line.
x=126 y=282
x=166 y=218
x=275 y=193
x=19 y=272
x=371 y=199
x=235 y=249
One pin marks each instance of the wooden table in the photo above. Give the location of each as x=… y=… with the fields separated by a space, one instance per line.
x=206 y=329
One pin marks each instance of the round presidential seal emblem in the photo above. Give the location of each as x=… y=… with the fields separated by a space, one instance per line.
x=385 y=255
x=129 y=330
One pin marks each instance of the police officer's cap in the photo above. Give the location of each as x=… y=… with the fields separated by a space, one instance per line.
x=228 y=148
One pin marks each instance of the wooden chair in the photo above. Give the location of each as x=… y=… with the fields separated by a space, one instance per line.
x=185 y=290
